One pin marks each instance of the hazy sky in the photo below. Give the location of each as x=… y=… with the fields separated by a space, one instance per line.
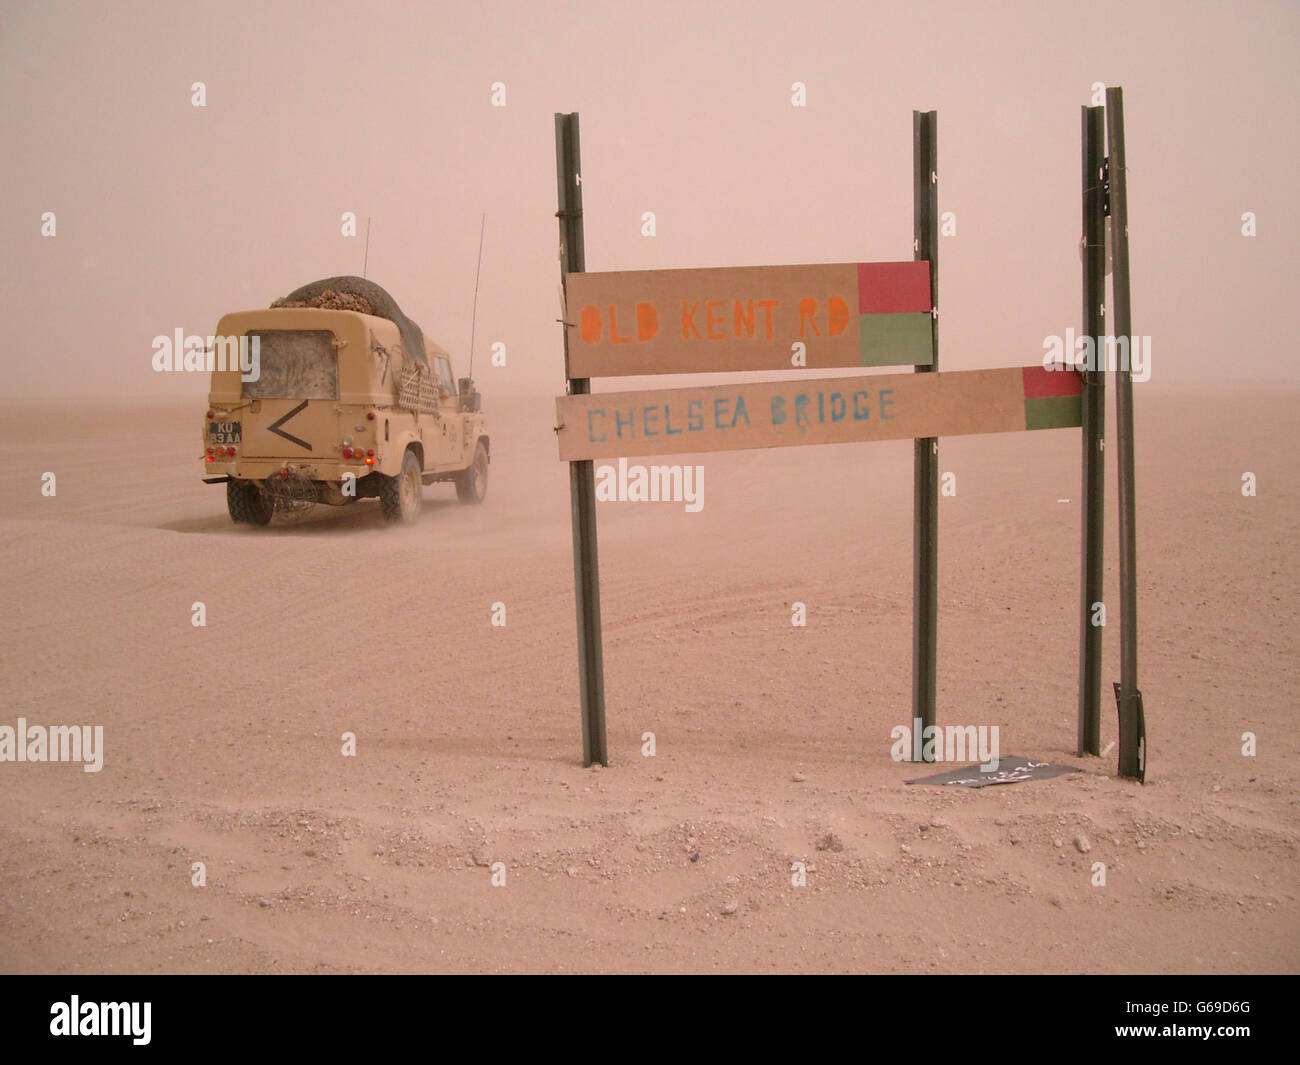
x=169 y=215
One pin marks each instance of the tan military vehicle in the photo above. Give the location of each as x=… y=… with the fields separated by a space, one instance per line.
x=339 y=397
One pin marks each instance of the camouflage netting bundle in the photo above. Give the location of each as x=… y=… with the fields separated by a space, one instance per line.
x=329 y=300
x=365 y=297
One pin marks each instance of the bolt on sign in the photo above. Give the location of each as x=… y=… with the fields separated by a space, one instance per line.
x=832 y=410
x=748 y=318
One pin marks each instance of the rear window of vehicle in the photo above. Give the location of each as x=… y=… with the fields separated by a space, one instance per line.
x=295 y=364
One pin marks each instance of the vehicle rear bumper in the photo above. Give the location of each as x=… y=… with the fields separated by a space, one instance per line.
x=258 y=469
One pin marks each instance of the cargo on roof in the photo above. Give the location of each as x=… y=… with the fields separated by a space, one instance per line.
x=350 y=293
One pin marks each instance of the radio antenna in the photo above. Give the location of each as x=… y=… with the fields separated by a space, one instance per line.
x=473 y=321
x=366 y=263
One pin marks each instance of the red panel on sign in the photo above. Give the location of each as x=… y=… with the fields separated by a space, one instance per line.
x=893 y=288
x=1041 y=382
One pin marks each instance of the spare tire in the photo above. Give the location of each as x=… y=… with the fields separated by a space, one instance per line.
x=381 y=303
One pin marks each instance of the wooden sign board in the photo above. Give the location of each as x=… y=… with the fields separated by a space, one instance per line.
x=748 y=318
x=819 y=411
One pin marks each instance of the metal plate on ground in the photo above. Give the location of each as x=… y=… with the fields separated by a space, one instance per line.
x=1010 y=770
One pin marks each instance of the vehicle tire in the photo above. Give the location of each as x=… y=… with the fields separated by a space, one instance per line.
x=247 y=504
x=471 y=484
x=400 y=497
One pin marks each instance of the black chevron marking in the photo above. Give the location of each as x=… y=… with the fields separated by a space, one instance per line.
x=274 y=427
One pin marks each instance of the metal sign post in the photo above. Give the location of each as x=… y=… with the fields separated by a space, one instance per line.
x=925 y=470
x=1094 y=431
x=1132 y=725
x=582 y=485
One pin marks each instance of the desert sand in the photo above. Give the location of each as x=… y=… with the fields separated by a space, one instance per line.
x=222 y=743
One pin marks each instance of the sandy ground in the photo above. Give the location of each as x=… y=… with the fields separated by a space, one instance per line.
x=223 y=743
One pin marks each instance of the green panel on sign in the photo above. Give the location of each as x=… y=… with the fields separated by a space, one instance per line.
x=1054 y=412
x=895 y=340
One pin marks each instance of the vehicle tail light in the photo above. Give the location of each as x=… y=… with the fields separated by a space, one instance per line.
x=231 y=452
x=370 y=453
x=347 y=452
x=212 y=414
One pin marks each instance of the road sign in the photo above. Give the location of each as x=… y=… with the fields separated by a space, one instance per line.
x=748 y=318
x=818 y=411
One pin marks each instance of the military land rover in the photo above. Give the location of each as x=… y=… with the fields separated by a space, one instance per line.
x=348 y=400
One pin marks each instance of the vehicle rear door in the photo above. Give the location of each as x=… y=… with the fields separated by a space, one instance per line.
x=291 y=410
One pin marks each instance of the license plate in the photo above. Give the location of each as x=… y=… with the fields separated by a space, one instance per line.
x=224 y=432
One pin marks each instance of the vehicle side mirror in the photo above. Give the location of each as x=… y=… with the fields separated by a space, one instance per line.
x=470 y=398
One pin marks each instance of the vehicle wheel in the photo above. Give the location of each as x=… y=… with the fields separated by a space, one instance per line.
x=400 y=497
x=246 y=503
x=471 y=484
